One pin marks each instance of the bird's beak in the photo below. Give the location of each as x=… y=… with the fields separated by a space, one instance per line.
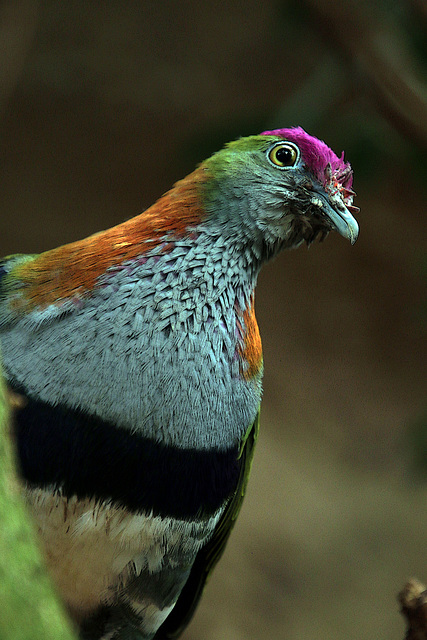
x=333 y=207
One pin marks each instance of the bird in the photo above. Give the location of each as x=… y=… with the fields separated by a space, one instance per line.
x=137 y=358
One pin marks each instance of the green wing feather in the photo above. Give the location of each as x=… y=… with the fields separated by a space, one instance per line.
x=208 y=557
x=9 y=285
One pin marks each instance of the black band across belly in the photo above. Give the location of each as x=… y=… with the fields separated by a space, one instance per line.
x=88 y=457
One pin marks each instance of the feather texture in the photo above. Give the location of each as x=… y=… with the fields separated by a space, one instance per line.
x=139 y=359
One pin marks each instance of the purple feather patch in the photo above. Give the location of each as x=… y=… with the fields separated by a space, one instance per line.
x=326 y=166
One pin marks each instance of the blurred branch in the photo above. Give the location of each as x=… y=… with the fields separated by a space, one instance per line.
x=413 y=599
x=383 y=58
x=18 y=21
x=29 y=607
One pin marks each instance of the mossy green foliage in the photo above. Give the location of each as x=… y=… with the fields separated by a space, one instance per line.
x=29 y=608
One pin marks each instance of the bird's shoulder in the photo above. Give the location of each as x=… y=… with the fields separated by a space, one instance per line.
x=11 y=285
x=41 y=287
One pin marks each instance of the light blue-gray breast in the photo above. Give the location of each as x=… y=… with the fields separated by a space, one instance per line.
x=154 y=348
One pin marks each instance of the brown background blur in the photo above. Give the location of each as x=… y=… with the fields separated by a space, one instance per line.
x=103 y=105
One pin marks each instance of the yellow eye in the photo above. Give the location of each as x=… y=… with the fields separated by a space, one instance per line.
x=283 y=155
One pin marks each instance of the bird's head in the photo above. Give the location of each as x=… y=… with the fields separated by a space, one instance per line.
x=285 y=186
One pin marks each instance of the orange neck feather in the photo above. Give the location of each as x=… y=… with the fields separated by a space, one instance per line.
x=73 y=269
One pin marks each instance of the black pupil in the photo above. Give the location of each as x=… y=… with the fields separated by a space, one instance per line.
x=285 y=155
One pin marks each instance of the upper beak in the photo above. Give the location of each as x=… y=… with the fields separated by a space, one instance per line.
x=342 y=220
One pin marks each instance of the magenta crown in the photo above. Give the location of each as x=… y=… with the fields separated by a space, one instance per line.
x=326 y=166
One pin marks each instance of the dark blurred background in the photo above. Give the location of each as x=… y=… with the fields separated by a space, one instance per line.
x=103 y=105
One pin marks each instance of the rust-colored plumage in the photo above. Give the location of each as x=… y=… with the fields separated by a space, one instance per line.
x=71 y=271
x=251 y=352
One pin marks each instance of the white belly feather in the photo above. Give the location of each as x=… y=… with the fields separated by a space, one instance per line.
x=92 y=548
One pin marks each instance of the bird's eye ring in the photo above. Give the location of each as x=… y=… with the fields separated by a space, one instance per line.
x=283 y=155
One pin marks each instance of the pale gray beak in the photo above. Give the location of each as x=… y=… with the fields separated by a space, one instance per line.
x=342 y=220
